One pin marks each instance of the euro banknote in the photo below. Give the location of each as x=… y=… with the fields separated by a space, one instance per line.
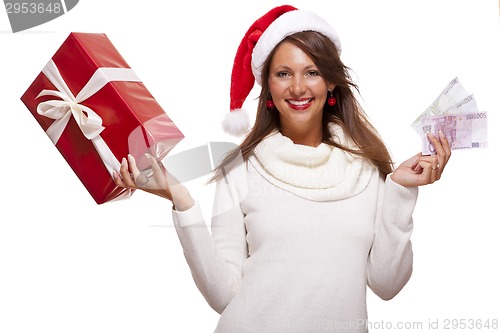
x=463 y=130
x=452 y=99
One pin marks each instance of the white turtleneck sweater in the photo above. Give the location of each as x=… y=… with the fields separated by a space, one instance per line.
x=297 y=235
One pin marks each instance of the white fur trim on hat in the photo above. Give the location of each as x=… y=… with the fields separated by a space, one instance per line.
x=236 y=122
x=285 y=25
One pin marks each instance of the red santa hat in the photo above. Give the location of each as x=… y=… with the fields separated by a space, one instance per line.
x=258 y=42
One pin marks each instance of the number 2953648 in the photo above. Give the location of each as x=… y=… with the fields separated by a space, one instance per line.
x=33 y=8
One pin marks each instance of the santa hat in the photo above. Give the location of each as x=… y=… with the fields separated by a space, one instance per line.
x=258 y=42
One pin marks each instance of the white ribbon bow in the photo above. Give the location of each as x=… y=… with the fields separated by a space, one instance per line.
x=89 y=122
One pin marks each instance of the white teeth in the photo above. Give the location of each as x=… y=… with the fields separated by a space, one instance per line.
x=304 y=102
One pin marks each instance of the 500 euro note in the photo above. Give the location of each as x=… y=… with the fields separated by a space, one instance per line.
x=448 y=101
x=466 y=105
x=463 y=131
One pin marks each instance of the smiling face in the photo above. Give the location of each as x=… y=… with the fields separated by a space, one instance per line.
x=298 y=91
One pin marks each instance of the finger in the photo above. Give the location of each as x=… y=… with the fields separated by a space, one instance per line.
x=440 y=157
x=157 y=172
x=444 y=141
x=413 y=162
x=438 y=148
x=139 y=178
x=124 y=173
x=435 y=168
x=424 y=161
x=417 y=168
x=133 y=167
x=118 y=180
x=441 y=154
x=435 y=173
x=443 y=151
x=428 y=175
x=446 y=147
x=154 y=165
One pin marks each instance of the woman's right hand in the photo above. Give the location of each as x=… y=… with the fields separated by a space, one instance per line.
x=155 y=181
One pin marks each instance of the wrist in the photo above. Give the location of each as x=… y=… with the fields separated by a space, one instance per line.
x=182 y=200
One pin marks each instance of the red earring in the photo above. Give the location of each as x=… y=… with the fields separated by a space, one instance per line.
x=331 y=100
x=270 y=104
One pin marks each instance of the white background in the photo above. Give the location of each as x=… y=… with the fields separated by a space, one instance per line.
x=70 y=265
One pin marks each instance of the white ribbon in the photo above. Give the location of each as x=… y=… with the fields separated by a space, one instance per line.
x=89 y=122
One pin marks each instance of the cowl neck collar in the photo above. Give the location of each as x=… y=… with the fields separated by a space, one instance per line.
x=321 y=173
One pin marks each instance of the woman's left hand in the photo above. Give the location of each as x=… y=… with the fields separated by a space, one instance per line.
x=424 y=169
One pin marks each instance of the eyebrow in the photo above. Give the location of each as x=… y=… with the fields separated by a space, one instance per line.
x=285 y=67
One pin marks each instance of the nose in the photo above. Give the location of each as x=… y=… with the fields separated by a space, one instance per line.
x=298 y=86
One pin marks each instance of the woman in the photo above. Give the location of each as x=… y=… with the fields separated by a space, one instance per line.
x=309 y=210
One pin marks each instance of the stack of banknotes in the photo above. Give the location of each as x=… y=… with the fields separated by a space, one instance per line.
x=456 y=114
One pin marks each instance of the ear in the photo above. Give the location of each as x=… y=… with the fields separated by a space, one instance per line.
x=331 y=86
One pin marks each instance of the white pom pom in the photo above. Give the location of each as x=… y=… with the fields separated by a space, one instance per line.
x=236 y=122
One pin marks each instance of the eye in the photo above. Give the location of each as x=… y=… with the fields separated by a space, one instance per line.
x=282 y=74
x=313 y=73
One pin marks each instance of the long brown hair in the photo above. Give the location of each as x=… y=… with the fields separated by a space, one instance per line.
x=347 y=112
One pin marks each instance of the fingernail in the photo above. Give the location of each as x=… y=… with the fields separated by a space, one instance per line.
x=124 y=162
x=441 y=134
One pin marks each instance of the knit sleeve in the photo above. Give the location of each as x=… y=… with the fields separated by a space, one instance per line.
x=215 y=258
x=390 y=261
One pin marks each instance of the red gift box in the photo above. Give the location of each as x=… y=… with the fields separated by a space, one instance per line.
x=95 y=110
